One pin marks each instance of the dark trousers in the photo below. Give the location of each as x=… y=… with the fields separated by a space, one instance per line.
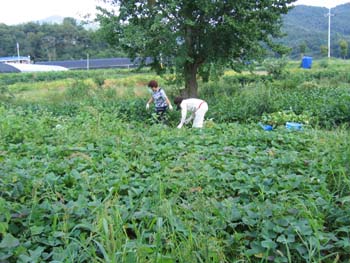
x=161 y=117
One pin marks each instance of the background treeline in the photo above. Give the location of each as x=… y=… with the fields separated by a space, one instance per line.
x=53 y=41
x=306 y=30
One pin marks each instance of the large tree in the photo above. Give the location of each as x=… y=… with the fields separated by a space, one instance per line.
x=194 y=36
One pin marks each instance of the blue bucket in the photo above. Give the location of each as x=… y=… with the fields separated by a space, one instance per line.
x=294 y=126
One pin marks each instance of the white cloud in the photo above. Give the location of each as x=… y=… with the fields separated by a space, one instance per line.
x=322 y=3
x=21 y=11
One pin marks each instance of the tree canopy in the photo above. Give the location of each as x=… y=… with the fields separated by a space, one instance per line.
x=47 y=41
x=194 y=37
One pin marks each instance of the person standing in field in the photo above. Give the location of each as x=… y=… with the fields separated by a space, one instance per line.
x=160 y=100
x=196 y=107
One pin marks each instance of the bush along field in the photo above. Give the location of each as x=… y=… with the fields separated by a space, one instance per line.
x=87 y=175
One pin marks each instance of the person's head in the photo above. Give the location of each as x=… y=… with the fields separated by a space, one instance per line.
x=153 y=85
x=177 y=101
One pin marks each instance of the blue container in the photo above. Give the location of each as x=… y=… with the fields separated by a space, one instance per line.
x=294 y=126
x=266 y=127
x=306 y=62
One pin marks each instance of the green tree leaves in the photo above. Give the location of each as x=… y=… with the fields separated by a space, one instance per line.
x=69 y=40
x=190 y=35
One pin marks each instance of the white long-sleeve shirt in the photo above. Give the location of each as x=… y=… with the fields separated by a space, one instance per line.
x=189 y=105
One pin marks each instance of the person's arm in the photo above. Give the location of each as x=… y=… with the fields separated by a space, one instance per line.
x=166 y=99
x=183 y=115
x=149 y=102
x=169 y=103
x=189 y=118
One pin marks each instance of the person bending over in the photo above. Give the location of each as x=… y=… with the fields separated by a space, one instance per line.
x=197 y=109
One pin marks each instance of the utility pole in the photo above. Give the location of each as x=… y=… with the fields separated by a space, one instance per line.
x=87 y=58
x=329 y=31
x=87 y=61
x=18 y=57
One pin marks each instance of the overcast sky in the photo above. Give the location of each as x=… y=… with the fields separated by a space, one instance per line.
x=21 y=11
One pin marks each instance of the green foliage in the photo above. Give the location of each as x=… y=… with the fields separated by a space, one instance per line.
x=324 y=50
x=43 y=42
x=320 y=97
x=191 y=37
x=344 y=48
x=302 y=48
x=93 y=187
x=275 y=67
x=281 y=117
x=309 y=25
x=324 y=63
x=87 y=176
x=5 y=94
x=97 y=75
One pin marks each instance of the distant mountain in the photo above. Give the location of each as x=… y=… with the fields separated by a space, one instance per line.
x=55 y=19
x=309 y=25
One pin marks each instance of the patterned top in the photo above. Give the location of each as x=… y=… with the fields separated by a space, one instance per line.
x=159 y=98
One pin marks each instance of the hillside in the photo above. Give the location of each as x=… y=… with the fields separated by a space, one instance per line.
x=309 y=25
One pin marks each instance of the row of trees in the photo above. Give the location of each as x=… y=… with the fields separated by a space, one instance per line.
x=46 y=42
x=341 y=49
x=318 y=47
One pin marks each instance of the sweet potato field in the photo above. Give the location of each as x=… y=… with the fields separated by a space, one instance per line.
x=86 y=175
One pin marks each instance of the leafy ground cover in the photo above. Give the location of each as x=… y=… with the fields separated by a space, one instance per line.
x=87 y=177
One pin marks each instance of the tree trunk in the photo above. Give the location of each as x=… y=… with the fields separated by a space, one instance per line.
x=191 y=85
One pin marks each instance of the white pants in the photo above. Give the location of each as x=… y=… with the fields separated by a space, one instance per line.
x=199 y=116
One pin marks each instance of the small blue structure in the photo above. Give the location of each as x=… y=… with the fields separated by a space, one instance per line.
x=306 y=62
x=294 y=126
x=266 y=127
